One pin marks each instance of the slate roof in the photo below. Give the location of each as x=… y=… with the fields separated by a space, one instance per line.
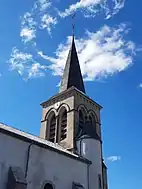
x=72 y=73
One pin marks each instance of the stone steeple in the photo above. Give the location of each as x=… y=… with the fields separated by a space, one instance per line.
x=72 y=76
x=70 y=114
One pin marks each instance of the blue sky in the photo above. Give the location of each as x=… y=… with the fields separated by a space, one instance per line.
x=34 y=42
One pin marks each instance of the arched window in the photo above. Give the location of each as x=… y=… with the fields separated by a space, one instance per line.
x=52 y=128
x=92 y=121
x=63 y=125
x=48 y=186
x=81 y=124
x=81 y=119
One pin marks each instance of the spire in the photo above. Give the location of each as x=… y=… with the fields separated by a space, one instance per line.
x=72 y=73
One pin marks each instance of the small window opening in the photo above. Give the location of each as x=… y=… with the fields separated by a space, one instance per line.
x=52 y=128
x=81 y=124
x=91 y=120
x=81 y=119
x=99 y=182
x=64 y=125
x=48 y=186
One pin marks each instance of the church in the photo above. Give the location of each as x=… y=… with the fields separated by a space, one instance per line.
x=68 y=153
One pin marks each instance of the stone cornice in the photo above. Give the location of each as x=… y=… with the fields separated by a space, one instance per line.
x=59 y=97
x=66 y=94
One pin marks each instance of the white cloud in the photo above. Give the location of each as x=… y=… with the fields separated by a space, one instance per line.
x=82 y=4
x=101 y=54
x=113 y=9
x=92 y=7
x=42 y=5
x=31 y=21
x=43 y=56
x=27 y=34
x=19 y=59
x=36 y=70
x=28 y=28
x=25 y=65
x=140 y=85
x=36 y=19
x=114 y=158
x=47 y=22
x=27 y=19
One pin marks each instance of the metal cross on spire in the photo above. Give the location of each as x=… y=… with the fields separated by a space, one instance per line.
x=73 y=23
x=72 y=76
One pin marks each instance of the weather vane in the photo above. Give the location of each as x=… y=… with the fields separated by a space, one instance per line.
x=73 y=23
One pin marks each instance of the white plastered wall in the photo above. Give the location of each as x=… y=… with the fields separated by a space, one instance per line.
x=91 y=150
x=44 y=165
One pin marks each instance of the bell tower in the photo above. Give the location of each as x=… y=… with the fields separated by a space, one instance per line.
x=72 y=120
x=71 y=113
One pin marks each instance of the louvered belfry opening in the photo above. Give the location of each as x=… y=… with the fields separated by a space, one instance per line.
x=81 y=119
x=91 y=120
x=64 y=125
x=52 y=128
x=81 y=124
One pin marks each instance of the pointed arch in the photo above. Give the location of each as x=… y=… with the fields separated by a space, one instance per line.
x=93 y=114
x=94 y=121
x=92 y=117
x=82 y=115
x=83 y=109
